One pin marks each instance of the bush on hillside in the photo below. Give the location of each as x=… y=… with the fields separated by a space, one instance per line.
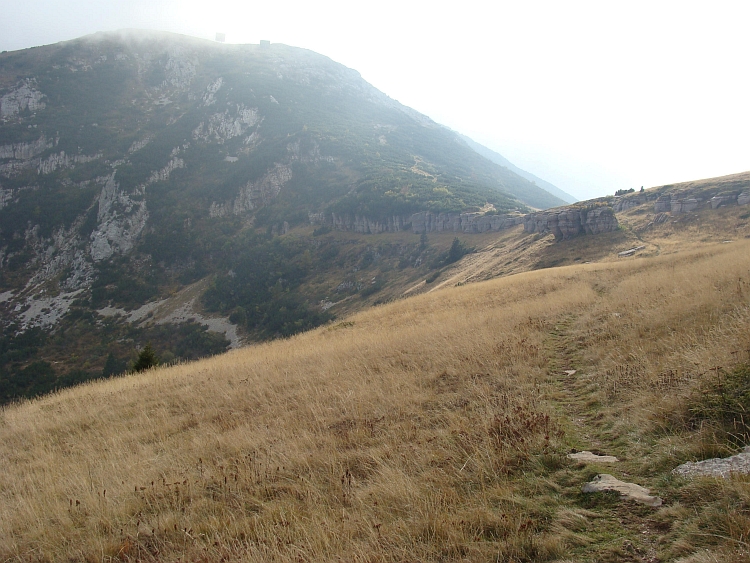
x=724 y=401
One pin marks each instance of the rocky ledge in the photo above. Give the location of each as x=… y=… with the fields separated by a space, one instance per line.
x=564 y=222
x=569 y=222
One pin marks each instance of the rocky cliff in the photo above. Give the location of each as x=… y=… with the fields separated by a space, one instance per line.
x=690 y=196
x=569 y=222
x=565 y=223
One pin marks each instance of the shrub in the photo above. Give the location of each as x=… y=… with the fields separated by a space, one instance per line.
x=725 y=402
x=456 y=252
x=432 y=277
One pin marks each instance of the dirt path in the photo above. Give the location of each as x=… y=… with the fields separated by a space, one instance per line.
x=626 y=530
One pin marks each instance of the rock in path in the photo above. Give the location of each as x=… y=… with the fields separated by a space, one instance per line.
x=717 y=467
x=589 y=457
x=605 y=482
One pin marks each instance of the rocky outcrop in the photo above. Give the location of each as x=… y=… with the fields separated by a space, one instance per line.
x=569 y=222
x=364 y=225
x=663 y=204
x=180 y=69
x=418 y=223
x=686 y=201
x=6 y=196
x=138 y=145
x=221 y=127
x=476 y=222
x=163 y=174
x=684 y=205
x=564 y=223
x=122 y=217
x=628 y=202
x=209 y=98
x=62 y=161
x=254 y=195
x=23 y=97
x=22 y=156
x=25 y=151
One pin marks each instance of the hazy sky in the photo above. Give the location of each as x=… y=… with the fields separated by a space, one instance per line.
x=591 y=96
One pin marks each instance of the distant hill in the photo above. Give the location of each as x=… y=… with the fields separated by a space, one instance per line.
x=497 y=158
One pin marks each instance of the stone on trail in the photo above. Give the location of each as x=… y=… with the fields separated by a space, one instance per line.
x=717 y=467
x=589 y=457
x=604 y=482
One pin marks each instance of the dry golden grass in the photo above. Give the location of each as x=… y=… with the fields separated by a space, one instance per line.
x=430 y=429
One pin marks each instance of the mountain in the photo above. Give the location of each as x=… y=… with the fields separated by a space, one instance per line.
x=159 y=188
x=497 y=158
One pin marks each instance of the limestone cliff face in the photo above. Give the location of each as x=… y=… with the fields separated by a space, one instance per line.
x=25 y=151
x=629 y=202
x=364 y=225
x=257 y=194
x=477 y=222
x=62 y=160
x=20 y=156
x=24 y=97
x=254 y=195
x=690 y=196
x=221 y=127
x=569 y=222
x=421 y=222
x=122 y=217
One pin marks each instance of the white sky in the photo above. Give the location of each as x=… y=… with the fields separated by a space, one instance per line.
x=591 y=96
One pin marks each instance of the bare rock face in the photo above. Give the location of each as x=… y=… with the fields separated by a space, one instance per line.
x=628 y=202
x=605 y=482
x=684 y=205
x=24 y=97
x=663 y=204
x=686 y=201
x=364 y=225
x=428 y=222
x=482 y=223
x=422 y=222
x=122 y=217
x=25 y=151
x=476 y=222
x=720 y=200
x=600 y=220
x=221 y=127
x=569 y=222
x=62 y=160
x=254 y=195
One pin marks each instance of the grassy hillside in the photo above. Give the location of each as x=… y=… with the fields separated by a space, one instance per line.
x=430 y=429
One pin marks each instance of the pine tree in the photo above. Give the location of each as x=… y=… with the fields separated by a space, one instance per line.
x=147 y=359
